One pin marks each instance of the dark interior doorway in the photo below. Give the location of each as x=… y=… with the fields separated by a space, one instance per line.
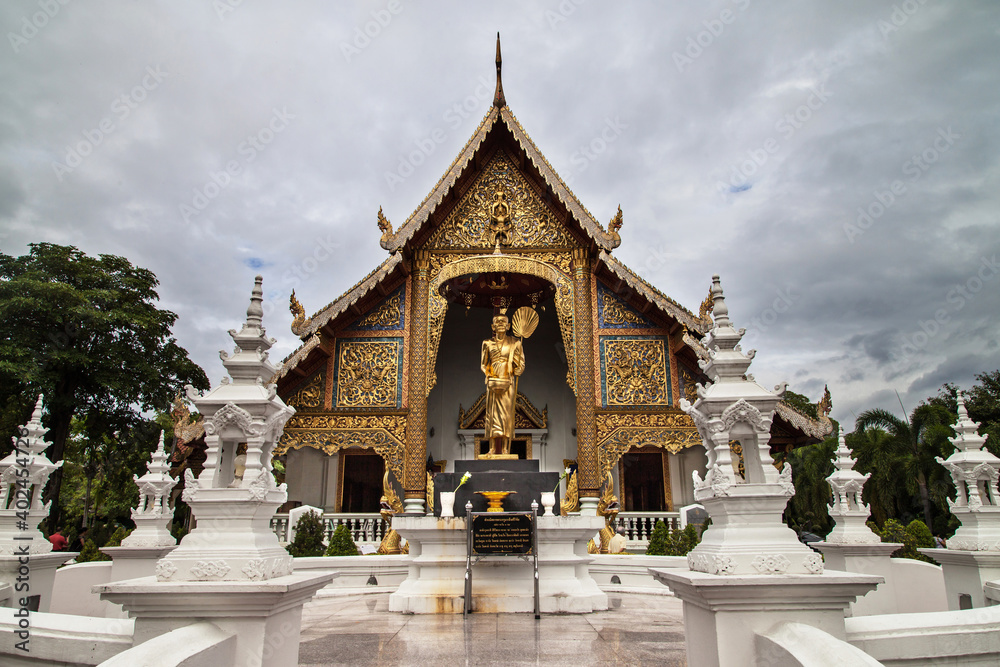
x=361 y=480
x=518 y=446
x=642 y=481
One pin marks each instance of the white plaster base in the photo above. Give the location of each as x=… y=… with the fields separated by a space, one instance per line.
x=911 y=586
x=966 y=572
x=723 y=614
x=266 y=616
x=980 y=529
x=748 y=537
x=40 y=578
x=132 y=563
x=435 y=583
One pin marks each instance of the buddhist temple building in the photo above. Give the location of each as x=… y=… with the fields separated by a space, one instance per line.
x=388 y=374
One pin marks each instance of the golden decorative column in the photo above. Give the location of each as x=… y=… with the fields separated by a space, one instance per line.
x=414 y=468
x=586 y=429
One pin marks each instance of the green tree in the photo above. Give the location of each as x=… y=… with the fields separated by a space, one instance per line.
x=672 y=542
x=913 y=536
x=341 y=543
x=801 y=403
x=908 y=453
x=807 y=511
x=659 y=540
x=90 y=553
x=982 y=401
x=85 y=332
x=309 y=533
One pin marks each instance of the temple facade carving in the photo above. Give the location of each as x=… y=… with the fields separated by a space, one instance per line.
x=384 y=369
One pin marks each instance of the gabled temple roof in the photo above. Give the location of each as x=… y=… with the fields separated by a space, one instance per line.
x=500 y=124
x=496 y=117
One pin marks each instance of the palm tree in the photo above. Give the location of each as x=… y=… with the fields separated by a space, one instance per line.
x=908 y=451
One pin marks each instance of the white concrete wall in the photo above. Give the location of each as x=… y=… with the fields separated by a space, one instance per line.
x=72 y=594
x=198 y=645
x=59 y=640
x=941 y=638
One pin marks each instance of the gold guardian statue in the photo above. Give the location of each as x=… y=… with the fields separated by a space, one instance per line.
x=502 y=363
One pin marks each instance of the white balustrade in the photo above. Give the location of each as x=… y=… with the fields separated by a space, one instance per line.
x=365 y=528
x=639 y=525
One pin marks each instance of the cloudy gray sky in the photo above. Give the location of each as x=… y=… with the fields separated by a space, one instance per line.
x=837 y=163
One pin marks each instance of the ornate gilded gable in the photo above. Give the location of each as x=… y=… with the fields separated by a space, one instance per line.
x=526 y=415
x=613 y=313
x=308 y=395
x=501 y=203
x=389 y=315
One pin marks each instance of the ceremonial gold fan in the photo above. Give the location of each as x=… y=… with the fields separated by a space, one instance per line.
x=524 y=322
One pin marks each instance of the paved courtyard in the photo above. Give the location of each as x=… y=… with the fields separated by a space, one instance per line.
x=359 y=630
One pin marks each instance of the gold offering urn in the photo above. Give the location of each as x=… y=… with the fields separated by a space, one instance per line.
x=495 y=498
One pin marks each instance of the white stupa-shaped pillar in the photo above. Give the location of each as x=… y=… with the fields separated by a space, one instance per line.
x=971 y=563
x=230 y=570
x=848 y=511
x=749 y=572
x=748 y=535
x=975 y=472
x=24 y=473
x=232 y=540
x=852 y=546
x=23 y=548
x=152 y=515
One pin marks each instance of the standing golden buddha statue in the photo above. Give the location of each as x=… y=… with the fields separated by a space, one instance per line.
x=502 y=363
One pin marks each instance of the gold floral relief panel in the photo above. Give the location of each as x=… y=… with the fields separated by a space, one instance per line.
x=369 y=372
x=472 y=223
x=308 y=396
x=634 y=371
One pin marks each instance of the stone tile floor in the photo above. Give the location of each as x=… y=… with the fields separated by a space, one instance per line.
x=359 y=630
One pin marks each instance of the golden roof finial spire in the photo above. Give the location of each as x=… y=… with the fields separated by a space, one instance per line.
x=498 y=98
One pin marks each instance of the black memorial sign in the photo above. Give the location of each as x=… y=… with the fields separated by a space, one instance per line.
x=500 y=533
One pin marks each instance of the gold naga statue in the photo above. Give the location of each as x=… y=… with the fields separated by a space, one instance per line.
x=390 y=505
x=502 y=363
x=607 y=507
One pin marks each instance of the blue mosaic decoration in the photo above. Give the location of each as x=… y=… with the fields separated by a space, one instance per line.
x=635 y=371
x=613 y=313
x=389 y=315
x=368 y=373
